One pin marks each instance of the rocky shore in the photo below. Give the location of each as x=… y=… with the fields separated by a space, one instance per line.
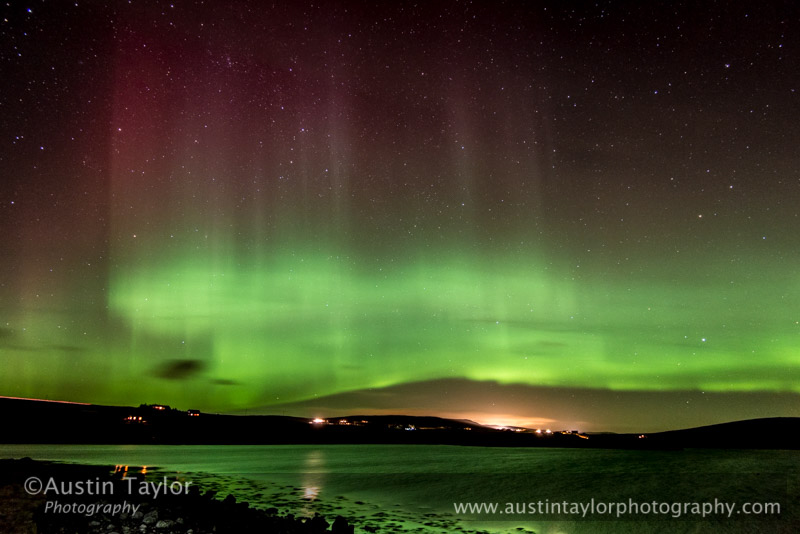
x=89 y=499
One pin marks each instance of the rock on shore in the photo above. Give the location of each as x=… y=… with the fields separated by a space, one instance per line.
x=191 y=512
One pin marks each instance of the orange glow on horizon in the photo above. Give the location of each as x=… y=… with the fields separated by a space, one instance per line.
x=482 y=418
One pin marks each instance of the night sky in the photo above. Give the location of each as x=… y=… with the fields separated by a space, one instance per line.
x=567 y=214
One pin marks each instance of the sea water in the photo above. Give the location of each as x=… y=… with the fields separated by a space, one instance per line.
x=418 y=487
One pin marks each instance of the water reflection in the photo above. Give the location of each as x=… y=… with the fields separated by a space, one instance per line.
x=313 y=477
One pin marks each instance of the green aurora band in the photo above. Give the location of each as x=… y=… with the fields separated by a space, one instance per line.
x=317 y=324
x=314 y=323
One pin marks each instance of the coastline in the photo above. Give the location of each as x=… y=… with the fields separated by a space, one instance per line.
x=107 y=505
x=410 y=489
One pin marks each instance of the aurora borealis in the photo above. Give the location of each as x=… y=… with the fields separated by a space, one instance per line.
x=234 y=206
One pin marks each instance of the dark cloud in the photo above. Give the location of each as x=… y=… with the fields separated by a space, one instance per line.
x=67 y=348
x=224 y=382
x=179 y=369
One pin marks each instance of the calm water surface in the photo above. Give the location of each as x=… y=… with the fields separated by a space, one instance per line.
x=408 y=488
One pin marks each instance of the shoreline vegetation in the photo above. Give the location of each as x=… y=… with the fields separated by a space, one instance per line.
x=116 y=509
x=51 y=422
